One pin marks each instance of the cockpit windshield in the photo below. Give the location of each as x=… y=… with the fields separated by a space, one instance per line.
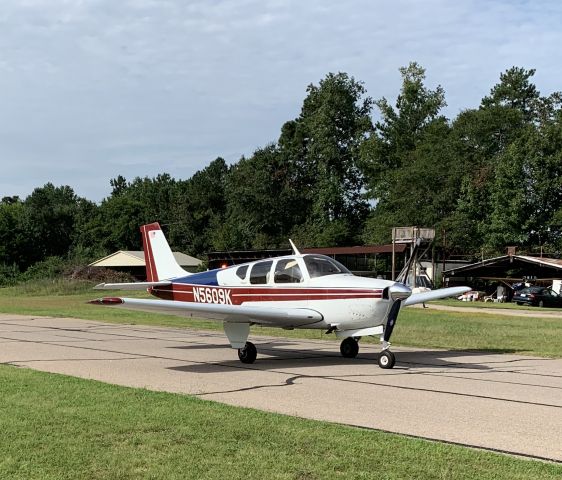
x=320 y=265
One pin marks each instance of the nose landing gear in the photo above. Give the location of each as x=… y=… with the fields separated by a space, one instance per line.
x=387 y=359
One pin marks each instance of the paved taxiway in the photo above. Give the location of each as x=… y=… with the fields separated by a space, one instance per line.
x=505 y=402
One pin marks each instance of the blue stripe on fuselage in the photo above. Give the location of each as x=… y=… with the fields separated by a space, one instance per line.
x=203 y=278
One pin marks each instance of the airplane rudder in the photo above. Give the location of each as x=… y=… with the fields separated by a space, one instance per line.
x=160 y=261
x=151 y=272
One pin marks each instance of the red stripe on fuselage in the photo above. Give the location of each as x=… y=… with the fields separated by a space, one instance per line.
x=240 y=295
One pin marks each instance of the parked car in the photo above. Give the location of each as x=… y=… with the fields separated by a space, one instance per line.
x=538 y=297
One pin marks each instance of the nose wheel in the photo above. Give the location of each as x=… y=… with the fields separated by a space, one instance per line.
x=386 y=359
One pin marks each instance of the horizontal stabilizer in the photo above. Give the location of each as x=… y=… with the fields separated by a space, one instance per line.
x=131 y=286
x=434 y=295
x=275 y=317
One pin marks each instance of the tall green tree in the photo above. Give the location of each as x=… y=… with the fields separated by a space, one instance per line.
x=132 y=204
x=405 y=156
x=13 y=242
x=48 y=220
x=515 y=91
x=199 y=211
x=324 y=143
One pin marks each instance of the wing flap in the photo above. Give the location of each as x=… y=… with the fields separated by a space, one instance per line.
x=277 y=317
x=434 y=295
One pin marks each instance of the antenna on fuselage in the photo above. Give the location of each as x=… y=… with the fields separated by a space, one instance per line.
x=295 y=249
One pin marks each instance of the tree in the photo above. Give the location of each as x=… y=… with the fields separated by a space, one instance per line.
x=542 y=150
x=48 y=220
x=13 y=243
x=404 y=155
x=130 y=205
x=486 y=214
x=515 y=91
x=505 y=224
x=323 y=144
x=200 y=208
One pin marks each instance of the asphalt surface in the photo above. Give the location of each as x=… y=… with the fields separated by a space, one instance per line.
x=504 y=402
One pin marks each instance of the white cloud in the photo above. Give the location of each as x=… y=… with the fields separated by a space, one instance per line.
x=93 y=89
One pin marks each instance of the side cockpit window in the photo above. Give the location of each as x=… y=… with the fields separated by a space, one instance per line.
x=241 y=272
x=287 y=271
x=260 y=273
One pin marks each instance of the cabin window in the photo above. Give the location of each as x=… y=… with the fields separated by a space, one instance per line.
x=260 y=272
x=287 y=271
x=320 y=265
x=241 y=272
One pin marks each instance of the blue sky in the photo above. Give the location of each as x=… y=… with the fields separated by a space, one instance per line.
x=93 y=89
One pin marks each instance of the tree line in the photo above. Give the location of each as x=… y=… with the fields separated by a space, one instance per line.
x=345 y=171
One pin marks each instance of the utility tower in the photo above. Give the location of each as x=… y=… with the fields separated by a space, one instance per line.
x=418 y=238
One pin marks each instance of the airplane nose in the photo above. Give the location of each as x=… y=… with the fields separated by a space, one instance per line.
x=399 y=291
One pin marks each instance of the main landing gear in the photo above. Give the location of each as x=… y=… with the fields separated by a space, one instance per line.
x=349 y=348
x=248 y=354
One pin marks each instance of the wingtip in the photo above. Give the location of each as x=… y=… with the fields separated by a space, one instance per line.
x=107 y=301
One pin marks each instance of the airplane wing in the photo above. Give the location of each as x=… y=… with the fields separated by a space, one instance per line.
x=278 y=317
x=131 y=286
x=434 y=295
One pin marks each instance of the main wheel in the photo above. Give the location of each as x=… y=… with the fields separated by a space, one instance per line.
x=349 y=348
x=386 y=359
x=248 y=354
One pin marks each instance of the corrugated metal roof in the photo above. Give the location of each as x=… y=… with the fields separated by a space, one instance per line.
x=507 y=262
x=135 y=258
x=555 y=262
x=358 y=250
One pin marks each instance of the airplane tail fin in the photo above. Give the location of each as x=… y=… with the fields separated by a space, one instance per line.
x=158 y=256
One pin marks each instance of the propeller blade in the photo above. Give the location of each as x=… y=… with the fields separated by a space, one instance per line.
x=391 y=321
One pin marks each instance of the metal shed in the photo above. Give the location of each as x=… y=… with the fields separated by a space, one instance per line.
x=509 y=268
x=132 y=261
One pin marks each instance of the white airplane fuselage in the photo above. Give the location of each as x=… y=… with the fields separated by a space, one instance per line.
x=345 y=301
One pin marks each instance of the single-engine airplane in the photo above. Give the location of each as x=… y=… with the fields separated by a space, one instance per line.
x=293 y=291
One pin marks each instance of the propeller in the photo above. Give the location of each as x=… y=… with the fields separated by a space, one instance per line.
x=391 y=320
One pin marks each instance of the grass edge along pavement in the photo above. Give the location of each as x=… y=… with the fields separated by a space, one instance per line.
x=416 y=327
x=60 y=427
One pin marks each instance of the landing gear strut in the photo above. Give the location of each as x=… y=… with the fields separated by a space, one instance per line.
x=386 y=358
x=248 y=354
x=349 y=348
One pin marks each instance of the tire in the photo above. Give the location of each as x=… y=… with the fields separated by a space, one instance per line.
x=349 y=348
x=386 y=359
x=519 y=303
x=248 y=354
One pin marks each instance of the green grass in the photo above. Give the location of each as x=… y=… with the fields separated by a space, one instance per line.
x=416 y=327
x=59 y=427
x=471 y=331
x=494 y=305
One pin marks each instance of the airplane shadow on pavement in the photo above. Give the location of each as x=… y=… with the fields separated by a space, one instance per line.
x=279 y=355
